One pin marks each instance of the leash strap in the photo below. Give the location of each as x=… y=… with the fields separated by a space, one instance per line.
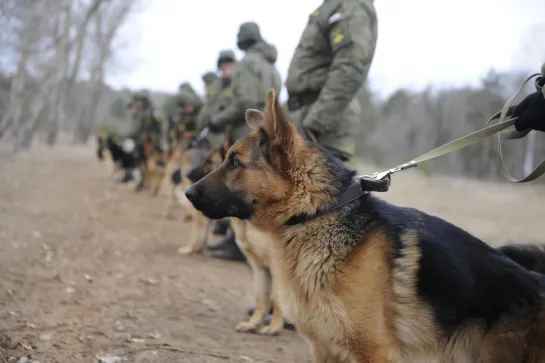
x=475 y=137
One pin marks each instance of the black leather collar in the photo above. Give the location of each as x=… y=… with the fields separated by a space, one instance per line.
x=360 y=188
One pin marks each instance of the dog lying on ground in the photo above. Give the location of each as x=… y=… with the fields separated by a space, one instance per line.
x=255 y=247
x=364 y=280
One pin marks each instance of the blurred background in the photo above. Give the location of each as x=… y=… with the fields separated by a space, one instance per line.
x=89 y=269
x=440 y=69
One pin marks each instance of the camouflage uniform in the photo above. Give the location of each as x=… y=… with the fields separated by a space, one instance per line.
x=145 y=120
x=186 y=87
x=214 y=91
x=172 y=118
x=209 y=78
x=254 y=76
x=329 y=66
x=188 y=120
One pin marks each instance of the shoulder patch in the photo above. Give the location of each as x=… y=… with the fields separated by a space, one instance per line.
x=334 y=18
x=315 y=13
x=211 y=91
x=337 y=36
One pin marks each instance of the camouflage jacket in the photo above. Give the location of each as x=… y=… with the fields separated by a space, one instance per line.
x=210 y=106
x=145 y=122
x=254 y=76
x=332 y=60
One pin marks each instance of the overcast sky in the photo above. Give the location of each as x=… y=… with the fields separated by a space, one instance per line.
x=420 y=42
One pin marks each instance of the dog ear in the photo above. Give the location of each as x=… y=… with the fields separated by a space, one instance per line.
x=277 y=122
x=228 y=138
x=254 y=118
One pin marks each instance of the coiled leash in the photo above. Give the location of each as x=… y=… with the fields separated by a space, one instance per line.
x=380 y=182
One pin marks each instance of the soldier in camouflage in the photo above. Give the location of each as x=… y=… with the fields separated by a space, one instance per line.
x=255 y=74
x=329 y=66
x=226 y=63
x=186 y=87
x=189 y=108
x=145 y=120
x=209 y=78
x=172 y=118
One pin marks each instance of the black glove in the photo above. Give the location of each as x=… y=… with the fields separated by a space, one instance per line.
x=531 y=112
x=213 y=128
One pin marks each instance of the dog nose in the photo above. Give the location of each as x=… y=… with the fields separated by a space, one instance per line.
x=191 y=193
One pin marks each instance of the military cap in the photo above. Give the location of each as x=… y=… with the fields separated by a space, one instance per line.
x=184 y=99
x=209 y=77
x=249 y=31
x=226 y=56
x=185 y=86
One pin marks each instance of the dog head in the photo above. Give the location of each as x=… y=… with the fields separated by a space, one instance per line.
x=271 y=175
x=213 y=160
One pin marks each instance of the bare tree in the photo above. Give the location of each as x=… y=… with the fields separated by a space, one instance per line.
x=106 y=26
x=52 y=47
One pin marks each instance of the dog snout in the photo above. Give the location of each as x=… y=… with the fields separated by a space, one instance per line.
x=191 y=194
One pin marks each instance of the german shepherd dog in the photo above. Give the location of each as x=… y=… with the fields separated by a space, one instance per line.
x=254 y=245
x=200 y=160
x=189 y=152
x=363 y=280
x=108 y=148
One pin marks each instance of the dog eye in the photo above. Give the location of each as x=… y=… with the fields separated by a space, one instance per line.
x=233 y=163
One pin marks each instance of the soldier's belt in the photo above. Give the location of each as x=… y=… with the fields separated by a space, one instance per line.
x=301 y=100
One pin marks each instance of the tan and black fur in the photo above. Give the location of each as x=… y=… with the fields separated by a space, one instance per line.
x=109 y=154
x=199 y=163
x=179 y=164
x=371 y=282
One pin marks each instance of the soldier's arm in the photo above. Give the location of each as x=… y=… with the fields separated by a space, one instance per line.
x=243 y=97
x=203 y=116
x=352 y=36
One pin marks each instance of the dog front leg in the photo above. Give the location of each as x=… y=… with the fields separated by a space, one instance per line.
x=262 y=290
x=199 y=233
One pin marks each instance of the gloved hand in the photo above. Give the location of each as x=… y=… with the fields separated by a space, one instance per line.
x=213 y=128
x=531 y=112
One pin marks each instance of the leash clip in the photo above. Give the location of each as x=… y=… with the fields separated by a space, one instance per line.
x=387 y=173
x=380 y=182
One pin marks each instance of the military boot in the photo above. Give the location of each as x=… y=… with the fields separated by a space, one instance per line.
x=228 y=249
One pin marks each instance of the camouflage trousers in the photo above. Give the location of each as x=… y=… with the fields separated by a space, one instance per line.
x=297 y=116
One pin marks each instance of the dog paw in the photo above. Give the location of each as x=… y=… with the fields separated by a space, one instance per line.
x=246 y=327
x=186 y=250
x=269 y=330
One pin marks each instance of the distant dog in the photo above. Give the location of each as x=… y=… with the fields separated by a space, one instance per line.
x=363 y=280
x=198 y=165
x=108 y=150
x=188 y=152
x=255 y=247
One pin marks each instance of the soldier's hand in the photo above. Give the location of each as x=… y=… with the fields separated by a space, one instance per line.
x=213 y=128
x=531 y=113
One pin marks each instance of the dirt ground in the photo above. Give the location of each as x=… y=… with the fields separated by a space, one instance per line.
x=89 y=268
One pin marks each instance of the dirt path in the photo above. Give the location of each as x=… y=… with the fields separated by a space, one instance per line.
x=90 y=268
